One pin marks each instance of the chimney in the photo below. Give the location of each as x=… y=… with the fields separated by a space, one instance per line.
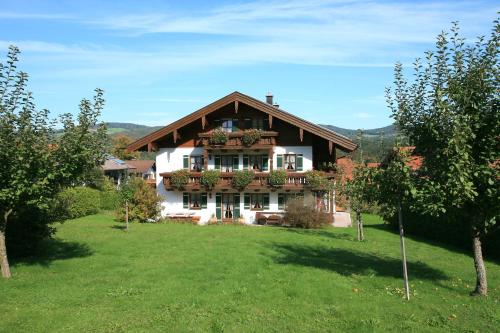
x=269 y=98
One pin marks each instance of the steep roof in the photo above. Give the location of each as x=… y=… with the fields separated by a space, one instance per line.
x=340 y=141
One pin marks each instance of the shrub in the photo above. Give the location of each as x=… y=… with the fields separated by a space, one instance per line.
x=302 y=213
x=318 y=181
x=277 y=177
x=179 y=179
x=143 y=201
x=242 y=179
x=109 y=195
x=77 y=202
x=219 y=137
x=251 y=136
x=210 y=178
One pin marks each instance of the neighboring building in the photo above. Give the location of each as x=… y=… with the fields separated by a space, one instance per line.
x=145 y=169
x=287 y=142
x=116 y=169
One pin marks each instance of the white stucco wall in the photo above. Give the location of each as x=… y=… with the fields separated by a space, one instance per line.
x=171 y=159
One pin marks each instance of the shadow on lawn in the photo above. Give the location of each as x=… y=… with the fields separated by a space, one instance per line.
x=55 y=249
x=321 y=232
x=119 y=227
x=347 y=262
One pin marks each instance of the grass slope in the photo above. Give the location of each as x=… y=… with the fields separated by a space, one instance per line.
x=95 y=277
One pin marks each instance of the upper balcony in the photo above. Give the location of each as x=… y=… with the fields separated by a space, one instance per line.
x=238 y=140
x=294 y=181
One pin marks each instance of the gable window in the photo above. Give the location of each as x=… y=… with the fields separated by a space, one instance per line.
x=227 y=125
x=194 y=200
x=256 y=123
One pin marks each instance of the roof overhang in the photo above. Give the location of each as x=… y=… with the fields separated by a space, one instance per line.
x=335 y=139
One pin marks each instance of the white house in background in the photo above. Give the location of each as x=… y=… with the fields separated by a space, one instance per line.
x=286 y=143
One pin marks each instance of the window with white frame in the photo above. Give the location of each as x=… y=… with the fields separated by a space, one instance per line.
x=197 y=163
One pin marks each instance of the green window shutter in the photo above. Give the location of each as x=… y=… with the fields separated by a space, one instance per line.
x=245 y=162
x=217 y=162
x=236 y=162
x=246 y=201
x=203 y=200
x=279 y=161
x=185 y=200
x=185 y=161
x=265 y=162
x=235 y=125
x=281 y=201
x=236 y=203
x=218 y=206
x=265 y=199
x=299 y=162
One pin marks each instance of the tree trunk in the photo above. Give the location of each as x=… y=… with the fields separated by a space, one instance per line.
x=4 y=261
x=481 y=281
x=361 y=230
x=126 y=214
x=359 y=224
x=403 y=250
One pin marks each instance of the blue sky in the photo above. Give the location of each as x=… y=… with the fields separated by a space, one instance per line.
x=326 y=61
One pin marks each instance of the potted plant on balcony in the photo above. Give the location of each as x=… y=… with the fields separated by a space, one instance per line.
x=317 y=181
x=218 y=137
x=251 y=136
x=179 y=179
x=242 y=178
x=210 y=178
x=277 y=178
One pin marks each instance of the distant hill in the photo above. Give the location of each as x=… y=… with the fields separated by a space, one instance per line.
x=133 y=131
x=351 y=133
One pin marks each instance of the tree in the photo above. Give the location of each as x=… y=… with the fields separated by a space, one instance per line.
x=120 y=143
x=450 y=114
x=394 y=181
x=37 y=164
x=139 y=202
x=359 y=191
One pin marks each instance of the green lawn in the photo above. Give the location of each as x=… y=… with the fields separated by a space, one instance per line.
x=95 y=277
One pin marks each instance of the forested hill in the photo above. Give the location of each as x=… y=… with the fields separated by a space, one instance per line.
x=351 y=133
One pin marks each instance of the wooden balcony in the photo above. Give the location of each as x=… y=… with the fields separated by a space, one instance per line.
x=295 y=181
x=267 y=140
x=151 y=182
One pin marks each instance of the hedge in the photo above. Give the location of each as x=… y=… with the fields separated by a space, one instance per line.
x=79 y=201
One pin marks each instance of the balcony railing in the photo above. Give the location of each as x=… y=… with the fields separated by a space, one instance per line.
x=267 y=140
x=293 y=181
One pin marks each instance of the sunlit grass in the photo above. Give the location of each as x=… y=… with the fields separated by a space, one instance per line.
x=96 y=277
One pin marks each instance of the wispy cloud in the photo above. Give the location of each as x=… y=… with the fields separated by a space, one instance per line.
x=33 y=16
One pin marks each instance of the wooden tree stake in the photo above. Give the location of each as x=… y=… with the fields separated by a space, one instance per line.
x=403 y=251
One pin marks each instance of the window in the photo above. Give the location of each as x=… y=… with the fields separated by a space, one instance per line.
x=197 y=163
x=227 y=206
x=257 y=201
x=194 y=200
x=256 y=162
x=226 y=163
x=257 y=123
x=227 y=125
x=284 y=199
x=290 y=162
